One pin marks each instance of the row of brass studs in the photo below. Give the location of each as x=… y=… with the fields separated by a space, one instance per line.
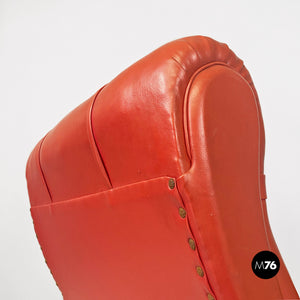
x=182 y=213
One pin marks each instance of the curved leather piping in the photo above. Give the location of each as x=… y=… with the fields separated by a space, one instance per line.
x=185 y=104
x=187 y=139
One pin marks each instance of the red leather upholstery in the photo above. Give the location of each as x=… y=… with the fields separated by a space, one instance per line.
x=110 y=222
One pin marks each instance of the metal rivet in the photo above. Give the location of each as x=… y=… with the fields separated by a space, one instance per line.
x=192 y=243
x=171 y=183
x=200 y=271
x=210 y=297
x=182 y=212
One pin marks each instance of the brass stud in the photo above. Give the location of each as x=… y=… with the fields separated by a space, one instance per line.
x=182 y=212
x=171 y=183
x=210 y=297
x=200 y=271
x=192 y=244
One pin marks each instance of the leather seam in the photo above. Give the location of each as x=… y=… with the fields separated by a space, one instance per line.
x=189 y=226
x=84 y=197
x=41 y=169
x=186 y=102
x=95 y=146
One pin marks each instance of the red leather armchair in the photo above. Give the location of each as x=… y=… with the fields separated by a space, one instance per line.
x=153 y=189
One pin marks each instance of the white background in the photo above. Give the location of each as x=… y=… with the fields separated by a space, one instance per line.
x=55 y=54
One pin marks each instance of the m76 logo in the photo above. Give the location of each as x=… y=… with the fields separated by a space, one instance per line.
x=265 y=264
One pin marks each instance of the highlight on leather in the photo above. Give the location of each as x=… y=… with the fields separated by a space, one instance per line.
x=154 y=187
